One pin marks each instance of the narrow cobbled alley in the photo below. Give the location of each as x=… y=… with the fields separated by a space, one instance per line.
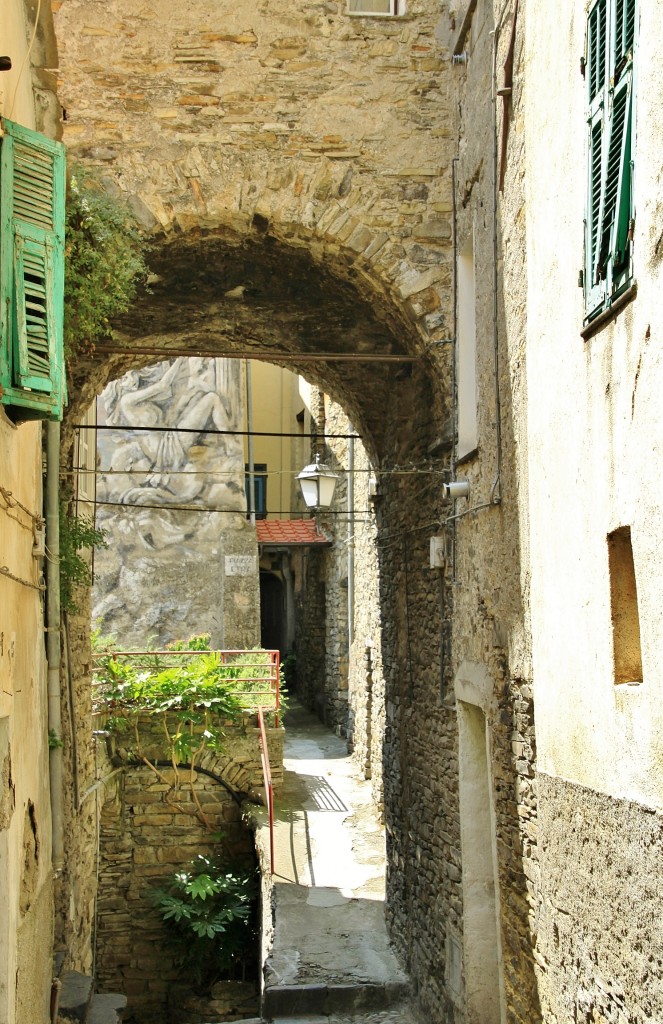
x=328 y=958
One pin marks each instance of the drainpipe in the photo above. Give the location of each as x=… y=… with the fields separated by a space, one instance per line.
x=351 y=541
x=286 y=570
x=249 y=445
x=53 y=636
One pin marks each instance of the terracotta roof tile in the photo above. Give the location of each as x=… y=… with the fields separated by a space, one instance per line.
x=288 y=532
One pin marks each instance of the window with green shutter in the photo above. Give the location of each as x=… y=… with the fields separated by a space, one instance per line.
x=32 y=198
x=609 y=220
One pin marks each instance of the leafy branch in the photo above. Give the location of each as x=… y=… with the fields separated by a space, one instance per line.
x=211 y=915
x=104 y=261
x=194 y=699
x=76 y=534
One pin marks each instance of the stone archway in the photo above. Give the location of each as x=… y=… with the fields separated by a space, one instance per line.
x=292 y=167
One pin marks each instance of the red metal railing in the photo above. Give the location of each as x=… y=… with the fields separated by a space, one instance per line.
x=264 y=671
x=267 y=776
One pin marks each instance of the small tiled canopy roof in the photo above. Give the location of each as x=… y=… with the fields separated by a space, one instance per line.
x=290 y=532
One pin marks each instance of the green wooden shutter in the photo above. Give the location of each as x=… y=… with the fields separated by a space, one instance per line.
x=624 y=32
x=32 y=192
x=610 y=47
x=619 y=133
x=595 y=289
x=597 y=83
x=597 y=47
x=619 y=241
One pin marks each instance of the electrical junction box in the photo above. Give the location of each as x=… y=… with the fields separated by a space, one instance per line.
x=437 y=552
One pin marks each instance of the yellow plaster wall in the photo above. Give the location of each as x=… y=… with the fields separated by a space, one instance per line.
x=26 y=901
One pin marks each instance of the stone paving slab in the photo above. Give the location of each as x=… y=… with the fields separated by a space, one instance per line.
x=329 y=953
x=402 y=1014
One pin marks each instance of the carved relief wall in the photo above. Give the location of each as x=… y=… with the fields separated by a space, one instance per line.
x=181 y=556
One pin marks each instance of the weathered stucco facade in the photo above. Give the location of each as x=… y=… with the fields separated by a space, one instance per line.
x=26 y=879
x=593 y=415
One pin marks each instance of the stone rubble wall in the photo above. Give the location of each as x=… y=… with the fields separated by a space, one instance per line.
x=332 y=132
x=149 y=829
x=490 y=624
x=600 y=943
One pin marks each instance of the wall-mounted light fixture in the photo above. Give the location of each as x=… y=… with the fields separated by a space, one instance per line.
x=456 y=489
x=318 y=483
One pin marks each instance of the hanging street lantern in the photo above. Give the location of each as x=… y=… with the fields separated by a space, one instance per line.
x=317 y=482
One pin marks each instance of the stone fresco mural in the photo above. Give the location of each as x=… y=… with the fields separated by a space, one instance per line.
x=172 y=500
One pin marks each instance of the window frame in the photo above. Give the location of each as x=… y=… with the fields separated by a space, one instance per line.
x=610 y=212
x=260 y=475
x=396 y=8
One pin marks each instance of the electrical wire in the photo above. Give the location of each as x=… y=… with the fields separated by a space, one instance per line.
x=193 y=430
x=151 y=471
x=226 y=511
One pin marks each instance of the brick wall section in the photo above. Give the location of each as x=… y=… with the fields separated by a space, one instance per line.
x=148 y=829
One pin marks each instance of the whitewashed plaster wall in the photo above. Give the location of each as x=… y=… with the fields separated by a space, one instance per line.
x=595 y=455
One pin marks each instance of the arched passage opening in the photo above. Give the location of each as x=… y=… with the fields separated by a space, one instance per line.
x=220 y=294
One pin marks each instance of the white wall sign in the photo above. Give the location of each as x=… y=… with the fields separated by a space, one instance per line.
x=240 y=565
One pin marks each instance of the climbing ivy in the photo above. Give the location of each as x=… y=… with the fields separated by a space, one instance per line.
x=76 y=534
x=191 y=699
x=104 y=261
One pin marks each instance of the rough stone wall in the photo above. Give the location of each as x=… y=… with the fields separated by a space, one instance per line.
x=259 y=126
x=360 y=644
x=76 y=885
x=600 y=931
x=489 y=612
x=144 y=839
x=149 y=828
x=279 y=99
x=310 y=631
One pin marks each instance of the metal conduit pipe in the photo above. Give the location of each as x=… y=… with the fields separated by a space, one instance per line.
x=53 y=638
x=351 y=543
x=249 y=444
x=496 y=491
x=454 y=355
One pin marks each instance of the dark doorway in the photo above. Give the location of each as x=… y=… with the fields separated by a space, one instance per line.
x=272 y=612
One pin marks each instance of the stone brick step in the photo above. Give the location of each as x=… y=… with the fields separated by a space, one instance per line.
x=78 y=1002
x=106 y=1008
x=284 y=1001
x=401 y=1014
x=75 y=996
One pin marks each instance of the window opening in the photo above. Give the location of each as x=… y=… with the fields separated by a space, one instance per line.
x=624 y=608
x=382 y=8
x=259 y=488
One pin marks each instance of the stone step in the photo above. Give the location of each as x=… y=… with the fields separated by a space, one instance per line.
x=75 y=996
x=106 y=1008
x=285 y=1001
